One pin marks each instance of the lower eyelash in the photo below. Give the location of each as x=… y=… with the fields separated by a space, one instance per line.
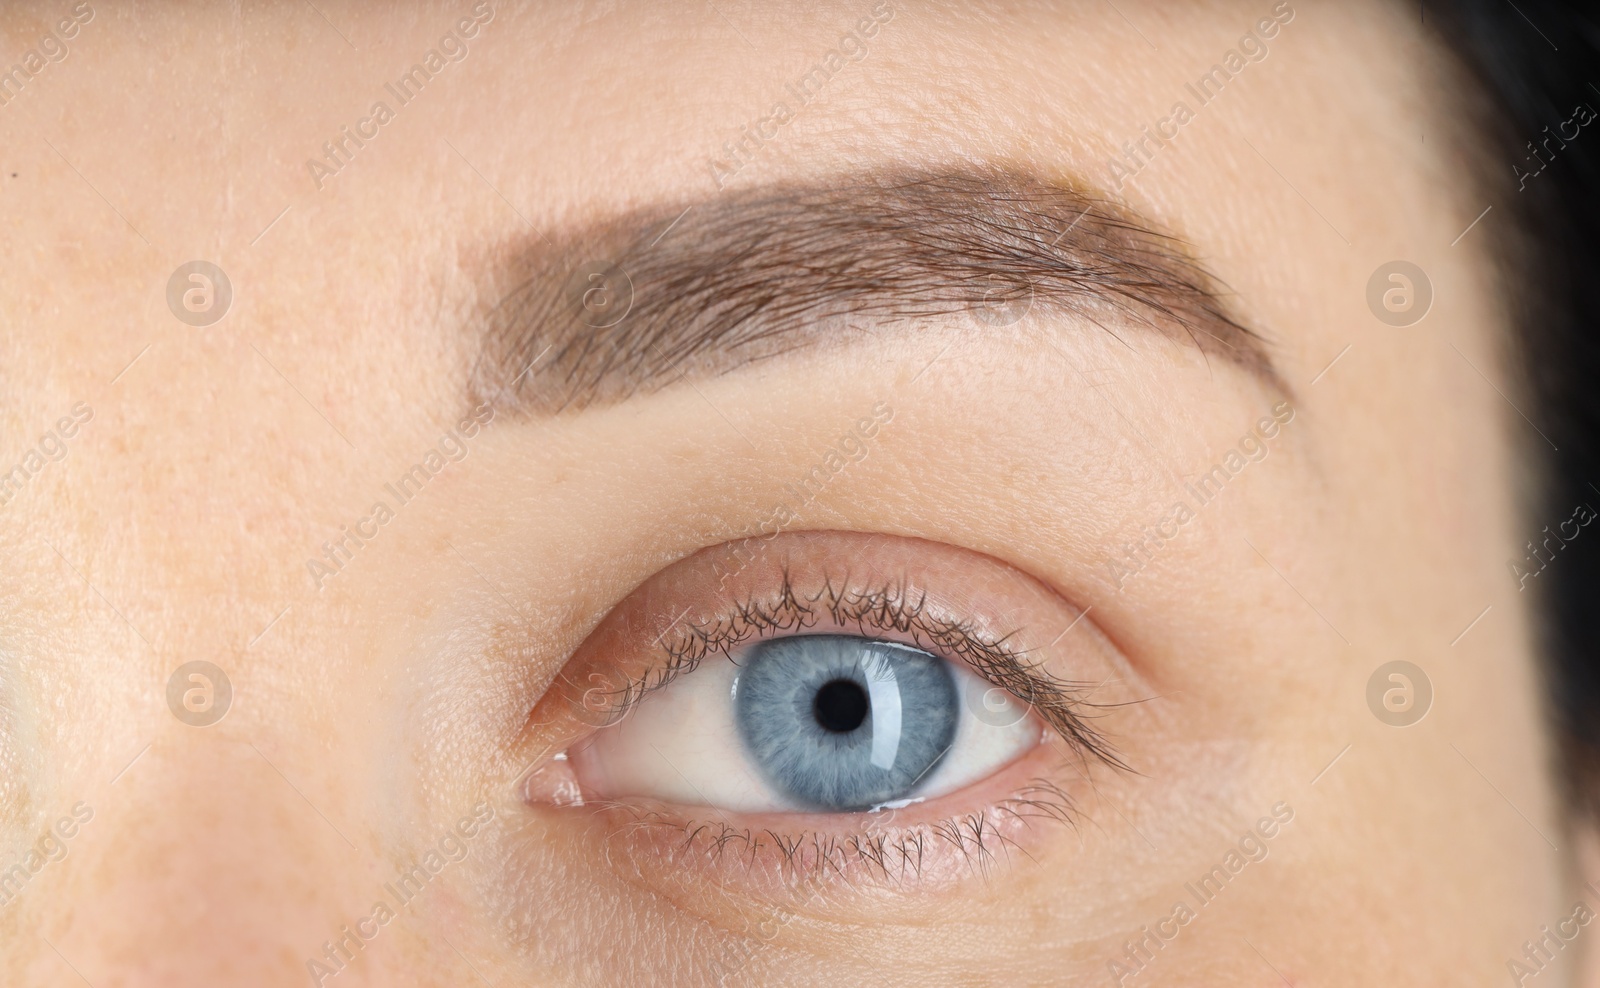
x=896 y=856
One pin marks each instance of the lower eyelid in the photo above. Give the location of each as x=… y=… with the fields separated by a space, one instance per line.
x=1001 y=821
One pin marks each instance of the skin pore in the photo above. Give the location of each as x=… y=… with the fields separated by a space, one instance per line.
x=590 y=489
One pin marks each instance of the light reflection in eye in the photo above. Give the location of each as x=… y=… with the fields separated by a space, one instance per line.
x=818 y=723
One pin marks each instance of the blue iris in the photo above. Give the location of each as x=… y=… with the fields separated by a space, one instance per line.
x=844 y=723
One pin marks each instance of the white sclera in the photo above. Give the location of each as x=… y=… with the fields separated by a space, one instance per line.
x=681 y=745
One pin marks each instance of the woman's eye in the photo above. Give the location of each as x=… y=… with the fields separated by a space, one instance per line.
x=826 y=723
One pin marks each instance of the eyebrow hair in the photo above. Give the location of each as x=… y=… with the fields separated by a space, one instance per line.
x=657 y=295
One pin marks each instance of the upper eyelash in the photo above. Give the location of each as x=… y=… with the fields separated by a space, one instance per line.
x=887 y=608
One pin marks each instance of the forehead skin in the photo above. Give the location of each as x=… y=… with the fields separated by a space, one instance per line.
x=370 y=714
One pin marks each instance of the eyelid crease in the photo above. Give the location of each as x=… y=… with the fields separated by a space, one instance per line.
x=891 y=609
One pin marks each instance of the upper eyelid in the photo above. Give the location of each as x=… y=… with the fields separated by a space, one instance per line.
x=886 y=609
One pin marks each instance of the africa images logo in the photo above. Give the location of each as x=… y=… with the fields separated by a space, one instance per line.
x=1252 y=47
x=408 y=884
x=754 y=136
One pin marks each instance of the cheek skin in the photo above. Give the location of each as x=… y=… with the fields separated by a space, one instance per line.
x=372 y=714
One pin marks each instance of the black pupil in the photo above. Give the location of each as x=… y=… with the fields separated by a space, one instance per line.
x=840 y=706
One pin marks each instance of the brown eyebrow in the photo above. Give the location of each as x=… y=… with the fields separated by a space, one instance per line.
x=658 y=295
